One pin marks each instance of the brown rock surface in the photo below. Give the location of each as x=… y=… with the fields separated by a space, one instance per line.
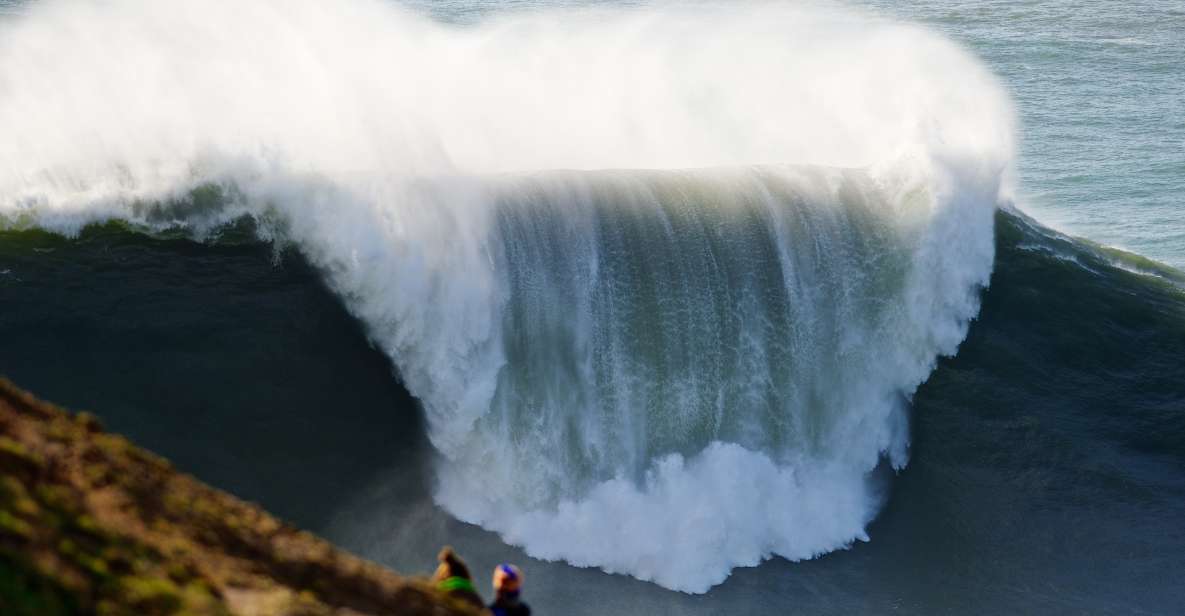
x=91 y=524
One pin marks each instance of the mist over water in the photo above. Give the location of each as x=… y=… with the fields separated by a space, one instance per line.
x=1098 y=86
x=664 y=279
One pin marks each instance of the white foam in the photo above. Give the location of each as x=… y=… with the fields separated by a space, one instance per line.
x=401 y=156
x=735 y=505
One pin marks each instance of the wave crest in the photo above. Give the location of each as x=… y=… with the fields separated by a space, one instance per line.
x=696 y=359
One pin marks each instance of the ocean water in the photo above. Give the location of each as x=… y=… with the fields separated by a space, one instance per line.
x=1098 y=86
x=1101 y=96
x=691 y=308
x=1099 y=89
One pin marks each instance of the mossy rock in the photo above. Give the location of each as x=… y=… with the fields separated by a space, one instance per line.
x=92 y=524
x=15 y=458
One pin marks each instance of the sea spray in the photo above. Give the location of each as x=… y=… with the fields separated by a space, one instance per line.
x=682 y=355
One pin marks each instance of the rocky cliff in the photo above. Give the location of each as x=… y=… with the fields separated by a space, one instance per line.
x=91 y=524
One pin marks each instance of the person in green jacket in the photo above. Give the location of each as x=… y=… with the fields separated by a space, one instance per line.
x=452 y=576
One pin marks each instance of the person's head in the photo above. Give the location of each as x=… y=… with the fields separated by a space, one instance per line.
x=450 y=565
x=508 y=580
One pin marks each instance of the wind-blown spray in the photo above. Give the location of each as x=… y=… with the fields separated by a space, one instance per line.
x=663 y=278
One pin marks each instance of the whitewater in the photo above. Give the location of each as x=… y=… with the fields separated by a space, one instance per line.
x=663 y=278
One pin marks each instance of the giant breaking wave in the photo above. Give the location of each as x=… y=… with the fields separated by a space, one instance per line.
x=663 y=278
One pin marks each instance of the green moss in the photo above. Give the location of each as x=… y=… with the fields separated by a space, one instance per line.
x=83 y=558
x=151 y=595
x=114 y=446
x=87 y=525
x=175 y=502
x=14 y=526
x=146 y=596
x=59 y=498
x=25 y=506
x=14 y=457
x=198 y=600
x=16 y=499
x=60 y=430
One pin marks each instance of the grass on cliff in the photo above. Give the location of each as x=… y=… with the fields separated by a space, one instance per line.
x=91 y=524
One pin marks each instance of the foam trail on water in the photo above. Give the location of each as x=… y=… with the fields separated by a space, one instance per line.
x=685 y=352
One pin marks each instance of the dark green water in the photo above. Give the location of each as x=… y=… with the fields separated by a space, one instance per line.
x=1048 y=468
x=239 y=367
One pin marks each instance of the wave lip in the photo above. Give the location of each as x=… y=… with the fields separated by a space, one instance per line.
x=692 y=347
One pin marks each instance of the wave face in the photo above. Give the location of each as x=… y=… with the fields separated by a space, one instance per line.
x=685 y=353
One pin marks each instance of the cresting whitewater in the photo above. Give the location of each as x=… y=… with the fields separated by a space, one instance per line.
x=664 y=279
